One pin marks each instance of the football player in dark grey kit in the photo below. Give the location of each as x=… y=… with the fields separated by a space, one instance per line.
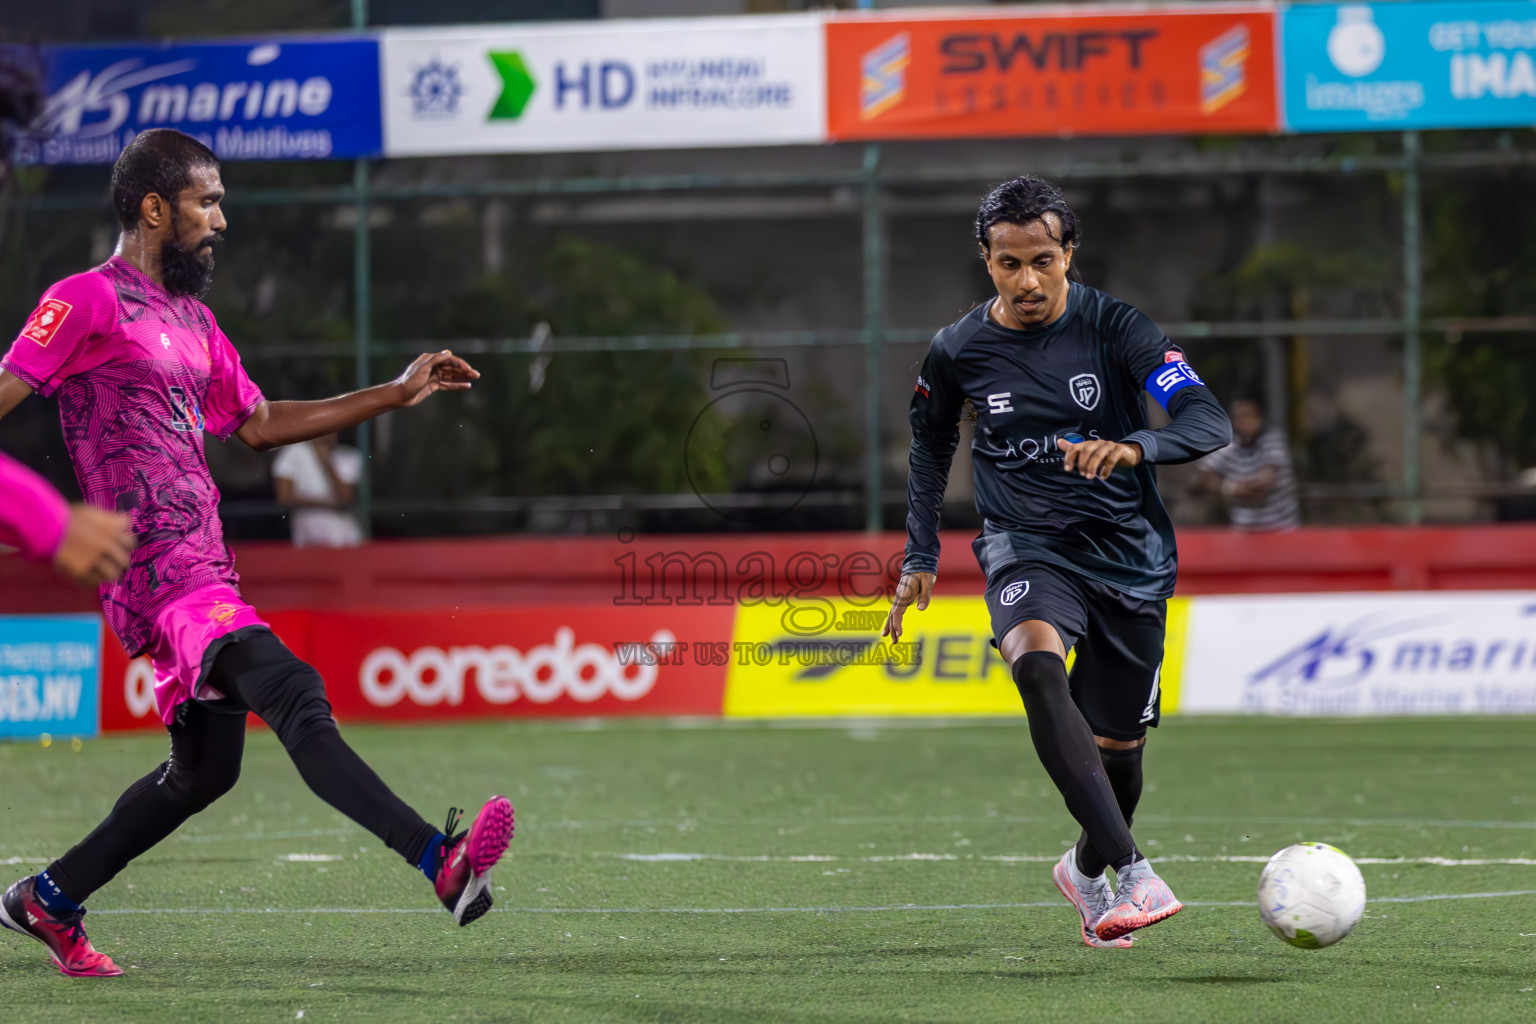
x=1076 y=546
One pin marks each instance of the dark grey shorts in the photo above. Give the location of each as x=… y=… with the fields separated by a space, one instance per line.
x=1118 y=639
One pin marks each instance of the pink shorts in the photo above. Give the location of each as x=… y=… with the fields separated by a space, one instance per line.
x=182 y=644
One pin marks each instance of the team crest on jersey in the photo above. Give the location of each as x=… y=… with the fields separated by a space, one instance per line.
x=46 y=320
x=1085 y=390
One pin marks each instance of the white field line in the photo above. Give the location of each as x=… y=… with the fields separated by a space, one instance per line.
x=1195 y=819
x=894 y=908
x=1000 y=819
x=247 y=837
x=1015 y=819
x=813 y=858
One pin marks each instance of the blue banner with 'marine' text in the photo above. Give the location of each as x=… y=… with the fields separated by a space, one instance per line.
x=291 y=99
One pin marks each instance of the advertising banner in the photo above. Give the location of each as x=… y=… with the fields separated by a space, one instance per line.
x=1088 y=70
x=542 y=661
x=514 y=662
x=291 y=99
x=49 y=666
x=1361 y=67
x=945 y=664
x=744 y=81
x=1362 y=654
x=1309 y=654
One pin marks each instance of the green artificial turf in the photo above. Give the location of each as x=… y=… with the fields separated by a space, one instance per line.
x=858 y=872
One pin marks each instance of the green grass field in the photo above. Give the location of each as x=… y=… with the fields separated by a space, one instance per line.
x=871 y=872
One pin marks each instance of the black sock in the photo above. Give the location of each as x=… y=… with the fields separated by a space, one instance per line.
x=204 y=764
x=1124 y=770
x=1070 y=756
x=342 y=779
x=289 y=695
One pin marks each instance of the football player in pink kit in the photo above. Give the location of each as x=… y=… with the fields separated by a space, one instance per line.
x=141 y=370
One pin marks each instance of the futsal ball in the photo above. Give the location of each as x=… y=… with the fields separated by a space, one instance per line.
x=1311 y=895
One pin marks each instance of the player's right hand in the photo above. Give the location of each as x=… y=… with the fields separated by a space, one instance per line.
x=914 y=588
x=97 y=546
x=434 y=371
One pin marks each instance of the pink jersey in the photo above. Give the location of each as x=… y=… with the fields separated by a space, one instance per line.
x=140 y=374
x=32 y=515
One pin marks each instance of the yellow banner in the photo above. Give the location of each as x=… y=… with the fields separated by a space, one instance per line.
x=827 y=659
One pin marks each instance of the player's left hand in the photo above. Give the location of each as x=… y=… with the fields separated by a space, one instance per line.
x=434 y=371
x=1091 y=459
x=914 y=588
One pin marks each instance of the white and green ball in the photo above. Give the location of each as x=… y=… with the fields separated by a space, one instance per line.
x=1311 y=895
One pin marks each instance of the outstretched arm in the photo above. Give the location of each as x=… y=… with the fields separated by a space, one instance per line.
x=935 y=418
x=86 y=544
x=273 y=424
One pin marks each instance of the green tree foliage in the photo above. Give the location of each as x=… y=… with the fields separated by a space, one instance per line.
x=1290 y=280
x=564 y=422
x=1480 y=262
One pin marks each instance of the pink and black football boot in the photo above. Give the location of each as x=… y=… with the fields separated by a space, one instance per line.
x=21 y=911
x=1141 y=899
x=465 y=860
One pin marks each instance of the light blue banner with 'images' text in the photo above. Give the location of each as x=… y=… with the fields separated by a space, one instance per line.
x=1365 y=67
x=50 y=675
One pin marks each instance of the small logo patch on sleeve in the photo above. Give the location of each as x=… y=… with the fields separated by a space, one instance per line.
x=46 y=320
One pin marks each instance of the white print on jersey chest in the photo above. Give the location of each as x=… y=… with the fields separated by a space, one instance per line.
x=181 y=366
x=167 y=343
x=1083 y=389
x=1042 y=449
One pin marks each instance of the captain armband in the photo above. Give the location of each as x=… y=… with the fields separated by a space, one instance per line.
x=1172 y=377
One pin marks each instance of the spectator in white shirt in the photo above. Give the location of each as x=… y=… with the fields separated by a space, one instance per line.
x=317 y=481
x=1254 y=474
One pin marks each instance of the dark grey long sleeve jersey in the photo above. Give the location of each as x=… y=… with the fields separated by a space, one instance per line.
x=1079 y=378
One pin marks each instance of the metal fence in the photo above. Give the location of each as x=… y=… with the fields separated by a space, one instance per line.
x=873 y=181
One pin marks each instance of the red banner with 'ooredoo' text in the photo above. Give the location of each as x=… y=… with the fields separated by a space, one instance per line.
x=444 y=665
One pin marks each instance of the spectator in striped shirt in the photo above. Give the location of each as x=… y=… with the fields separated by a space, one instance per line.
x=1253 y=473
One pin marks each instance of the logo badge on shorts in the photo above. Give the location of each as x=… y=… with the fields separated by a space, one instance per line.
x=46 y=320
x=1085 y=390
x=1013 y=592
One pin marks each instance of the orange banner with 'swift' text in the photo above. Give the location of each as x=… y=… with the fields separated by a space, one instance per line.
x=1103 y=71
